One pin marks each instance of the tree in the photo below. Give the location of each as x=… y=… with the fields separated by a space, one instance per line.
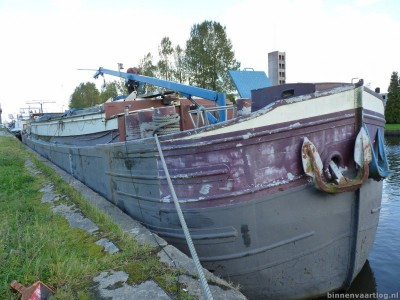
x=170 y=65
x=204 y=63
x=208 y=56
x=165 y=51
x=110 y=90
x=85 y=95
x=179 y=71
x=392 y=109
x=147 y=68
x=121 y=88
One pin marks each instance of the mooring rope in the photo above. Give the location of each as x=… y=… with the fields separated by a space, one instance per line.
x=166 y=124
x=199 y=268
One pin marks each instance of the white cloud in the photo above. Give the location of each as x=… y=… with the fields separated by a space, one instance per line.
x=68 y=5
x=43 y=44
x=366 y=2
x=322 y=42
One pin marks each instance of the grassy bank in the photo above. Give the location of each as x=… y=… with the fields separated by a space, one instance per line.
x=392 y=127
x=36 y=244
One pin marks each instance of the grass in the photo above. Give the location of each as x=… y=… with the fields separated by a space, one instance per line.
x=392 y=127
x=36 y=244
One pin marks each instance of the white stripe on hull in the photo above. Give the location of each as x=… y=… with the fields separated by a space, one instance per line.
x=74 y=126
x=302 y=107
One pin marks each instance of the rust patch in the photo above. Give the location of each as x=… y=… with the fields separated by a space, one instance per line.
x=345 y=185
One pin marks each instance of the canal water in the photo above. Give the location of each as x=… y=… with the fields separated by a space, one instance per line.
x=381 y=274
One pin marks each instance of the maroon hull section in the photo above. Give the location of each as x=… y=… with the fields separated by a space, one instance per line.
x=235 y=165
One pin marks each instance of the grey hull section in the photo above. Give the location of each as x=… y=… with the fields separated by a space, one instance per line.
x=299 y=244
x=296 y=243
x=253 y=215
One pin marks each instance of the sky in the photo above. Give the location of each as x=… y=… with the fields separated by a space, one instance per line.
x=43 y=43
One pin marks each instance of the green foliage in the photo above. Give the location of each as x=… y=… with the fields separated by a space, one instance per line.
x=110 y=90
x=165 y=51
x=147 y=68
x=392 y=126
x=179 y=58
x=121 y=88
x=85 y=95
x=392 y=110
x=208 y=56
x=204 y=63
x=171 y=63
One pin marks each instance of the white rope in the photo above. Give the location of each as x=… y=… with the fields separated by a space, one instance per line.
x=199 y=268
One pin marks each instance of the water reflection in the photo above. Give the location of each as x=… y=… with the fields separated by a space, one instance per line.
x=393 y=156
x=385 y=255
x=364 y=282
x=381 y=274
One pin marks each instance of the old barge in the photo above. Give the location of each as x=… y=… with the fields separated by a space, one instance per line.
x=281 y=192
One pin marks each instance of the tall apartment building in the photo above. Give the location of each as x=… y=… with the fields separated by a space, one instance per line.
x=277 y=67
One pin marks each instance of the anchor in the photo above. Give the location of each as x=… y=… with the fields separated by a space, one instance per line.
x=313 y=167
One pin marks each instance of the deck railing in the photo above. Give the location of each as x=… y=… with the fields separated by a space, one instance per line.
x=199 y=116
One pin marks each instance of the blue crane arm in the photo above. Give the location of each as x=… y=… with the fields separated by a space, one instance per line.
x=187 y=90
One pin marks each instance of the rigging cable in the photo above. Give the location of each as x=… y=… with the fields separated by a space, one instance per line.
x=178 y=284
x=199 y=268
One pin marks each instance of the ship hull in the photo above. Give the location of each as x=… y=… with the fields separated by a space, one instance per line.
x=255 y=217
